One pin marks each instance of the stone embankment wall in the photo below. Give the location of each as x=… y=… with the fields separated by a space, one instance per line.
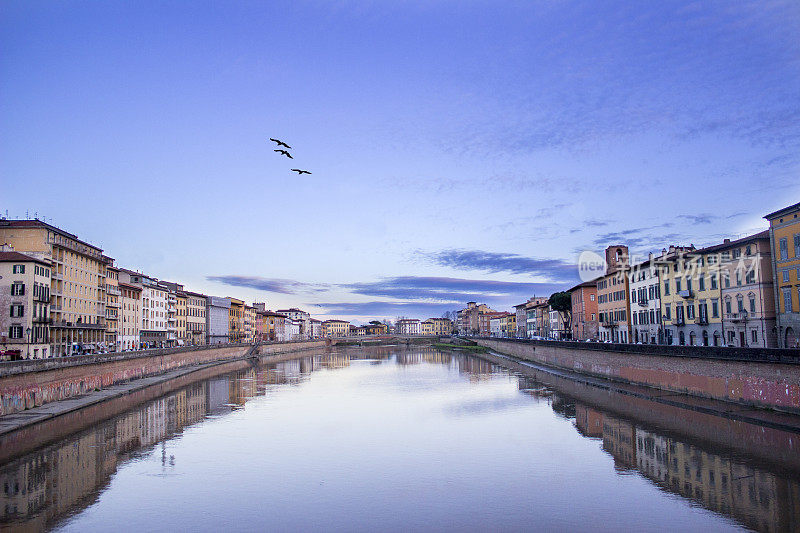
x=760 y=378
x=30 y=383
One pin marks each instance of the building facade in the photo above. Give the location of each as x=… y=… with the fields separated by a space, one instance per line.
x=584 y=311
x=335 y=328
x=784 y=237
x=131 y=313
x=236 y=320
x=408 y=326
x=217 y=320
x=113 y=312
x=24 y=306
x=196 y=318
x=613 y=305
x=690 y=297
x=155 y=303
x=645 y=297
x=748 y=292
x=302 y=317
x=77 y=282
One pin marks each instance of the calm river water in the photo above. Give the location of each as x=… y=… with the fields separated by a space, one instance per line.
x=395 y=438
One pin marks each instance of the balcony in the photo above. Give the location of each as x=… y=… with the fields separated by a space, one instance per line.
x=55 y=307
x=702 y=320
x=643 y=303
x=688 y=293
x=113 y=290
x=609 y=323
x=680 y=321
x=42 y=320
x=44 y=298
x=737 y=317
x=58 y=276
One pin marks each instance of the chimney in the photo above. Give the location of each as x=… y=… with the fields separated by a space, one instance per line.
x=726 y=241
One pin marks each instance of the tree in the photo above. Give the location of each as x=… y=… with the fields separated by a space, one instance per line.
x=562 y=302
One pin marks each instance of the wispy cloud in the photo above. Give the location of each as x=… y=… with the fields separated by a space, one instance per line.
x=445 y=289
x=276 y=285
x=555 y=270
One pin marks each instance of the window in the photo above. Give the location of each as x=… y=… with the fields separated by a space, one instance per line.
x=666 y=288
x=18 y=269
x=752 y=303
x=15 y=332
x=754 y=335
x=714 y=282
x=785 y=276
x=784 y=249
x=688 y=284
x=17 y=311
x=748 y=250
x=738 y=277
x=17 y=289
x=591 y=297
x=787 y=300
x=750 y=277
x=728 y=306
x=667 y=312
x=677 y=284
x=714 y=308
x=737 y=253
x=797 y=245
x=690 y=312
x=739 y=304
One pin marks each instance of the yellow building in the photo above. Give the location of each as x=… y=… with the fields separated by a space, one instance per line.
x=77 y=286
x=691 y=295
x=427 y=327
x=181 y=303
x=236 y=321
x=335 y=328
x=784 y=237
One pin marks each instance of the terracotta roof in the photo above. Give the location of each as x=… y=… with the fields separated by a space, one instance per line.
x=725 y=245
x=16 y=257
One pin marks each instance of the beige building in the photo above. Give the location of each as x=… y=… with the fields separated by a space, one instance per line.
x=113 y=300
x=748 y=294
x=131 y=315
x=249 y=324
x=24 y=307
x=784 y=234
x=77 y=285
x=196 y=318
x=427 y=327
x=335 y=328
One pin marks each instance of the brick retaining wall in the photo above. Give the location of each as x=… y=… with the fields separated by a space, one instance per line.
x=25 y=384
x=731 y=376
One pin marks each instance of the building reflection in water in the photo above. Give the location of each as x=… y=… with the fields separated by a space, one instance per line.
x=44 y=487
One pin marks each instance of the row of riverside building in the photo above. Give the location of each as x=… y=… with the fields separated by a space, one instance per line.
x=742 y=293
x=63 y=296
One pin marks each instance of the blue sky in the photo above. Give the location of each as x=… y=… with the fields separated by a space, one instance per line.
x=459 y=150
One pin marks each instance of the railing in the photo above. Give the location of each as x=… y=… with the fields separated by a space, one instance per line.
x=688 y=293
x=42 y=320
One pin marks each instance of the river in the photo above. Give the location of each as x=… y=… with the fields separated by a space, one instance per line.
x=403 y=438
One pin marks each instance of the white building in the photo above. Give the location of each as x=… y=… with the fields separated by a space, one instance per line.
x=494 y=326
x=316 y=328
x=302 y=318
x=217 y=314
x=153 y=331
x=408 y=326
x=645 y=302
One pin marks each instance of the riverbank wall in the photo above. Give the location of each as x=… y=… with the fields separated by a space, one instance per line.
x=31 y=383
x=750 y=377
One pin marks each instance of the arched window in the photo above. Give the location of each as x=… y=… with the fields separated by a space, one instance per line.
x=681 y=338
x=728 y=305
x=739 y=303
x=691 y=338
x=752 y=298
x=705 y=338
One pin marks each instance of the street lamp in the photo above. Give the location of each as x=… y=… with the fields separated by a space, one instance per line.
x=28 y=335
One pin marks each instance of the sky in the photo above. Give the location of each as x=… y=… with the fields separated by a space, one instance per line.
x=459 y=150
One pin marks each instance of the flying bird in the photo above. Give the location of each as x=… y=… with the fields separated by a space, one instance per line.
x=280 y=143
x=284 y=152
x=300 y=172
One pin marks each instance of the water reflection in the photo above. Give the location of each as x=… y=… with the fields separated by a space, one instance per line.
x=43 y=488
